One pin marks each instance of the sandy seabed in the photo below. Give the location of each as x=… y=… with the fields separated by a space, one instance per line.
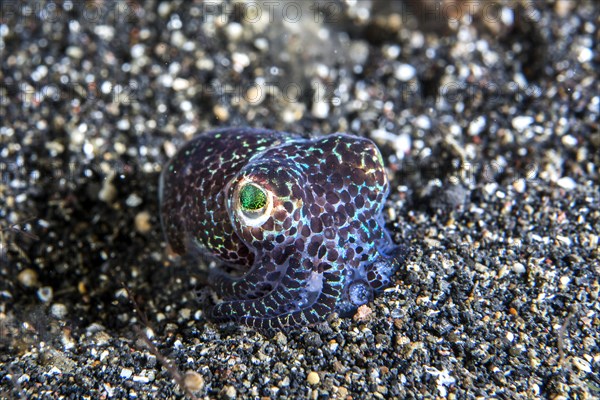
x=487 y=117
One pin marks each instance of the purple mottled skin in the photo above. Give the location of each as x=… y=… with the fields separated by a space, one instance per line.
x=295 y=223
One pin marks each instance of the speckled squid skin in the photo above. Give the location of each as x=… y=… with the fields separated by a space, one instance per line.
x=317 y=245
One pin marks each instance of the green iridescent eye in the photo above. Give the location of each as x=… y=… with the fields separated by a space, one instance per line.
x=253 y=203
x=252 y=197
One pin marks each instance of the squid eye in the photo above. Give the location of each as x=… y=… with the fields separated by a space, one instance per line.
x=254 y=204
x=252 y=197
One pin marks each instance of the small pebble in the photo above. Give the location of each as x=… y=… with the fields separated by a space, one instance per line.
x=108 y=192
x=45 y=294
x=363 y=313
x=476 y=126
x=185 y=313
x=142 y=222
x=320 y=109
x=193 y=381
x=74 y=52
x=569 y=140
x=585 y=55
x=567 y=183
x=126 y=373
x=262 y=44
x=521 y=122
x=221 y=112
x=313 y=378
x=520 y=185
x=28 y=277
x=123 y=125
x=582 y=365
x=518 y=268
x=137 y=50
x=180 y=84
x=234 y=31
x=141 y=379
x=229 y=392
x=133 y=200
x=58 y=310
x=564 y=281
x=343 y=392
x=405 y=72
x=281 y=339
